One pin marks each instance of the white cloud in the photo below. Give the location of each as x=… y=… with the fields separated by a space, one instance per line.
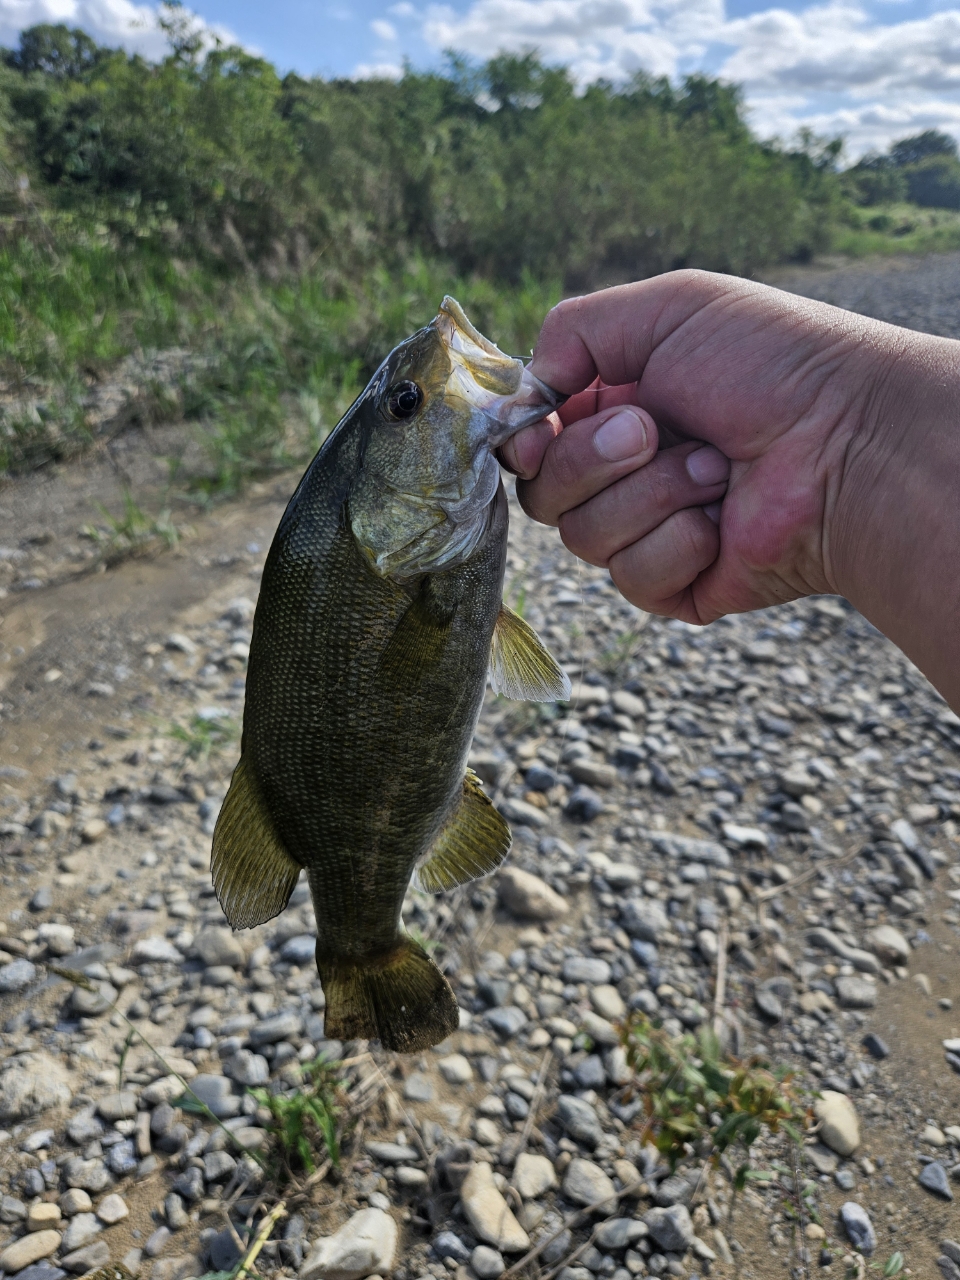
x=830 y=66
x=111 y=22
x=383 y=30
x=377 y=71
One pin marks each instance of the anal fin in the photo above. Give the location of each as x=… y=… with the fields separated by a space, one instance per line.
x=520 y=665
x=253 y=874
x=473 y=843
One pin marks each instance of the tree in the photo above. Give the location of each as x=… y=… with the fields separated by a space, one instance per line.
x=923 y=146
x=65 y=53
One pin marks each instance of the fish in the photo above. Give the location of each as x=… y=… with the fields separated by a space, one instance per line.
x=380 y=620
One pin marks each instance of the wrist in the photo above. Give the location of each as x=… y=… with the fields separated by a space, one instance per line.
x=894 y=527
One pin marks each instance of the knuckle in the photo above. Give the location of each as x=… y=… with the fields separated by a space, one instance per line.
x=576 y=537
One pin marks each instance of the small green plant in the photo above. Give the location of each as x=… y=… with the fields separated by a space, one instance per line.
x=132 y=532
x=203 y=735
x=693 y=1092
x=304 y=1115
x=893 y=1266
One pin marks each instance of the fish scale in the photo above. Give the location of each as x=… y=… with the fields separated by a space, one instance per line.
x=380 y=614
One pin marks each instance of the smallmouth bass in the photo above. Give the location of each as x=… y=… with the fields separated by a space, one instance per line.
x=379 y=619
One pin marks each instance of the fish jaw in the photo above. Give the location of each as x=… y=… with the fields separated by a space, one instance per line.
x=502 y=394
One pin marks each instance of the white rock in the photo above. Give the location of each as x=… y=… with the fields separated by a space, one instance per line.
x=218 y=945
x=585 y=1183
x=29 y=1249
x=839 y=1126
x=745 y=837
x=80 y=1231
x=364 y=1246
x=35 y=1084
x=490 y=1217
x=629 y=704
x=528 y=896
x=599 y=1029
x=608 y=1002
x=112 y=1209
x=456 y=1069
x=533 y=1175
x=933 y=1136
x=889 y=943
x=148 y=950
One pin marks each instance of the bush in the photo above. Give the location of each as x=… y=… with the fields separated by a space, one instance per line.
x=935 y=183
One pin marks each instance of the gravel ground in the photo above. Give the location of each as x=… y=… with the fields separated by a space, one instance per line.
x=753 y=825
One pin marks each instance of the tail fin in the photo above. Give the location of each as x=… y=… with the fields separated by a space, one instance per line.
x=399 y=998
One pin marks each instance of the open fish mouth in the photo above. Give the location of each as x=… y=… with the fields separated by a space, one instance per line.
x=501 y=387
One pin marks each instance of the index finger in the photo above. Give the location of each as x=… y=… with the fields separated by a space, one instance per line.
x=611 y=334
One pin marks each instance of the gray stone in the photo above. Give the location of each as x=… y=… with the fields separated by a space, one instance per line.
x=365 y=1245
x=282 y=1026
x=418 y=1087
x=16 y=975
x=455 y=1069
x=521 y=814
x=855 y=993
x=619 y=1233
x=35 y=1084
x=644 y=918
x=218 y=1166
x=122 y=1159
x=112 y=1209
x=584 y=805
x=527 y=896
x=585 y=1183
x=827 y=940
x=859 y=1228
x=29 y=1249
x=222 y=1251
x=585 y=969
x=153 y=950
x=84 y=1128
x=90 y=1258
x=449 y=1245
x=300 y=949
x=839 y=1126
x=81 y=1229
x=579 y=1120
x=533 y=1175
x=174 y=1212
x=934 y=1178
x=41 y=1271
x=489 y=1216
x=671 y=1228
x=689 y=849
x=773 y=997
x=157 y=1241
x=246 y=1068
x=189 y=1185
x=12 y=1210
x=506 y=1021
x=487 y=1263
x=118 y=1106
x=88 y=1175
x=391 y=1152
x=216 y=1093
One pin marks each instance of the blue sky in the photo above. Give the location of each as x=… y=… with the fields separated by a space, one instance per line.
x=871 y=70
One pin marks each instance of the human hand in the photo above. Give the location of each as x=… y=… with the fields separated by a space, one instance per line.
x=839 y=437
x=766 y=393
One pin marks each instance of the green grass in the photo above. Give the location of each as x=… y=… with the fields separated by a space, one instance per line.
x=274 y=365
x=897 y=228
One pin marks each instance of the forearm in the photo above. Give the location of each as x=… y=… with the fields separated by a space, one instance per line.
x=894 y=536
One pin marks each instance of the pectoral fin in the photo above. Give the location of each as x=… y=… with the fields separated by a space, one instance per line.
x=472 y=844
x=520 y=666
x=253 y=874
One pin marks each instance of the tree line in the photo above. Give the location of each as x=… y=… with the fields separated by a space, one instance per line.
x=503 y=170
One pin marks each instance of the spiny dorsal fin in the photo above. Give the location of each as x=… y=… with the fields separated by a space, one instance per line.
x=253 y=873
x=473 y=843
x=520 y=666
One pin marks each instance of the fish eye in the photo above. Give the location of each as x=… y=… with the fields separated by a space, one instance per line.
x=403 y=400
